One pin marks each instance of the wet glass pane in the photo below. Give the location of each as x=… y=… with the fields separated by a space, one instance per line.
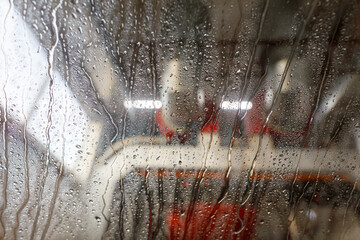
x=193 y=119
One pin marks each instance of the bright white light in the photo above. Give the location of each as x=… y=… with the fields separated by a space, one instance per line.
x=311 y=214
x=227 y=105
x=143 y=104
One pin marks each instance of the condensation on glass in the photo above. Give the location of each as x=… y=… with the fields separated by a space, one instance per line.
x=191 y=119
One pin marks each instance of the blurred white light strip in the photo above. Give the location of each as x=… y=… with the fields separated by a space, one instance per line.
x=227 y=105
x=143 y=104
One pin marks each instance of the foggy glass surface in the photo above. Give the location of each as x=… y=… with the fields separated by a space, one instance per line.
x=192 y=119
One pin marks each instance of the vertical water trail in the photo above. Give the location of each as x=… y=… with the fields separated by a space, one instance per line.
x=285 y=73
x=98 y=98
x=111 y=144
x=175 y=205
x=336 y=133
x=328 y=60
x=147 y=167
x=261 y=80
x=5 y=162
x=149 y=201
x=203 y=169
x=349 y=200
x=247 y=74
x=51 y=53
x=61 y=167
x=248 y=192
x=161 y=203
x=64 y=46
x=122 y=191
x=26 y=157
x=129 y=85
x=58 y=178
x=225 y=188
x=123 y=127
x=154 y=77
